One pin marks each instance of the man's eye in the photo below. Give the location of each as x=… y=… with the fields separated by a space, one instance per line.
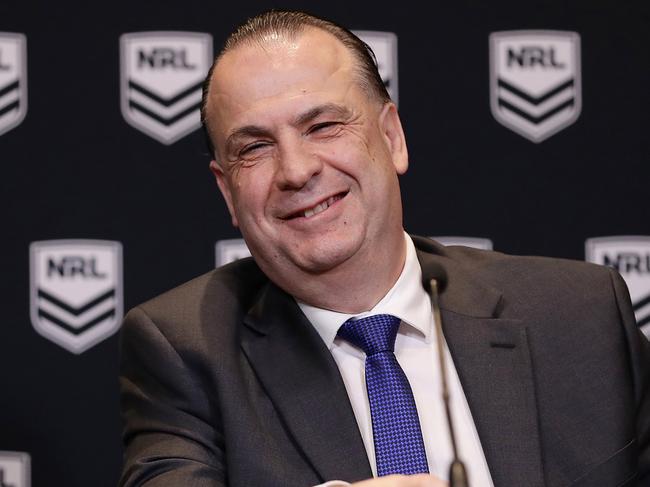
x=251 y=148
x=322 y=127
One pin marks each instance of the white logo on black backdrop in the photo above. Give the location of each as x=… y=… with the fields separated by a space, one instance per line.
x=229 y=250
x=384 y=45
x=15 y=469
x=13 y=80
x=630 y=256
x=76 y=291
x=474 y=242
x=535 y=86
x=161 y=78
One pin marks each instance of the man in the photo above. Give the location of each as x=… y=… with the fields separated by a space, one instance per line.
x=255 y=374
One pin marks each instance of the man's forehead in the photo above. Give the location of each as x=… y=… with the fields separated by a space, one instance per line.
x=312 y=49
x=254 y=74
x=282 y=51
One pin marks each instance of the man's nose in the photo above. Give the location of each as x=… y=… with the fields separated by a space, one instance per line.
x=297 y=165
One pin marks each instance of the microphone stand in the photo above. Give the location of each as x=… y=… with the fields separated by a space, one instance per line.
x=457 y=473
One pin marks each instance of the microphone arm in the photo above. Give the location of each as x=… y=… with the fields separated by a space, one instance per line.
x=457 y=473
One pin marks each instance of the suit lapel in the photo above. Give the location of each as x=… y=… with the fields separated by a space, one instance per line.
x=304 y=384
x=492 y=358
x=490 y=353
x=493 y=363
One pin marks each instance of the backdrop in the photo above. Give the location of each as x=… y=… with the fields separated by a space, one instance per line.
x=527 y=126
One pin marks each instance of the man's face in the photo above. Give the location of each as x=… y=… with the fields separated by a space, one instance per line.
x=307 y=161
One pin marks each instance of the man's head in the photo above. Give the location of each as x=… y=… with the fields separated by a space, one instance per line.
x=291 y=24
x=307 y=150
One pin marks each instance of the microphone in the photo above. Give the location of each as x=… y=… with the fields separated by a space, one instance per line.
x=433 y=283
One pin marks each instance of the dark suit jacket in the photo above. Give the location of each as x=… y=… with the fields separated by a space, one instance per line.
x=225 y=382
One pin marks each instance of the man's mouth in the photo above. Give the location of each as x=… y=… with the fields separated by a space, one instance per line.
x=319 y=208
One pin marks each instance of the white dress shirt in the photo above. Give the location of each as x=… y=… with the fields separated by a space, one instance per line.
x=416 y=352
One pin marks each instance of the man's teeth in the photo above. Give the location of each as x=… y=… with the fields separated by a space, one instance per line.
x=320 y=207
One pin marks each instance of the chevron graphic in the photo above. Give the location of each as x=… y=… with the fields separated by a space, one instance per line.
x=642 y=310
x=10 y=98
x=536 y=109
x=76 y=320
x=165 y=111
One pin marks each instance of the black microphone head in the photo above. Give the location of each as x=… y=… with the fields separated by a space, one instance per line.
x=436 y=271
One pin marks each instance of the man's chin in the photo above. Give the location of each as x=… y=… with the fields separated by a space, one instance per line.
x=311 y=257
x=323 y=259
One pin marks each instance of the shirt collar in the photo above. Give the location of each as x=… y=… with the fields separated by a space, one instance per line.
x=406 y=300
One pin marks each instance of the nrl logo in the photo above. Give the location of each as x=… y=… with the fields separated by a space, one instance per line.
x=474 y=242
x=630 y=256
x=161 y=79
x=535 y=87
x=13 y=80
x=384 y=45
x=76 y=291
x=15 y=469
x=230 y=250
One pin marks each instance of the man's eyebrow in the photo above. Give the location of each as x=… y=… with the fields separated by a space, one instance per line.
x=330 y=108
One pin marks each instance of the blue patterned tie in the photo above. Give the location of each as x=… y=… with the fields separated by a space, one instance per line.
x=399 y=448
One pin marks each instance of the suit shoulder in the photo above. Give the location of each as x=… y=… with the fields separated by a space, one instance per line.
x=498 y=266
x=505 y=270
x=227 y=289
x=531 y=281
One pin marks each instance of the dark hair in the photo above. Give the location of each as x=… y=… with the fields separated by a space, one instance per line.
x=291 y=24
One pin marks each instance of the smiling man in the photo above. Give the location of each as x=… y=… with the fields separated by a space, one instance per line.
x=315 y=362
x=307 y=160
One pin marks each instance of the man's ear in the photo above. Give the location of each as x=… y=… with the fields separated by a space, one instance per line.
x=393 y=134
x=224 y=187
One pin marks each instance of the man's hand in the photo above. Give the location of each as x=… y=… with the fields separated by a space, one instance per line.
x=421 y=480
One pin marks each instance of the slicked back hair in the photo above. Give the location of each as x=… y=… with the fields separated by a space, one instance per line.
x=291 y=24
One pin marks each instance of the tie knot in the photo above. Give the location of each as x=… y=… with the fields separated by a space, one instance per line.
x=372 y=334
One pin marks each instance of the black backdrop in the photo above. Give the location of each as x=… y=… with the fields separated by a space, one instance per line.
x=74 y=169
